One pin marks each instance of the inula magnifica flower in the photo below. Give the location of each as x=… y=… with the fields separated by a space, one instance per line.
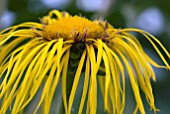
x=34 y=55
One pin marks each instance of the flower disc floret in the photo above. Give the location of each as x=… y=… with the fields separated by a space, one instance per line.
x=73 y=28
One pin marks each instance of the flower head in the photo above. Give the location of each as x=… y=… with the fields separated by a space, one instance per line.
x=35 y=55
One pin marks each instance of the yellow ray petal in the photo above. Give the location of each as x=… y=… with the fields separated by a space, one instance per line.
x=133 y=83
x=86 y=83
x=93 y=84
x=64 y=78
x=55 y=82
x=149 y=37
x=76 y=80
x=107 y=81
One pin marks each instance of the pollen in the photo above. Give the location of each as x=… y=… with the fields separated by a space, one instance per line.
x=73 y=28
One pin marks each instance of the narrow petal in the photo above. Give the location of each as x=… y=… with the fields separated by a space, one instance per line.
x=133 y=81
x=27 y=83
x=116 y=82
x=93 y=82
x=107 y=81
x=64 y=78
x=54 y=83
x=149 y=37
x=86 y=85
x=76 y=80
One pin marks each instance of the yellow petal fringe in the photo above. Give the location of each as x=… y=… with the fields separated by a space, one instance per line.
x=29 y=61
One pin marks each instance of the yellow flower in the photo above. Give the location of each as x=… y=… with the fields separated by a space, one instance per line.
x=34 y=55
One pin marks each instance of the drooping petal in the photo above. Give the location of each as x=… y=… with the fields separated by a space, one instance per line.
x=133 y=83
x=86 y=85
x=76 y=80
x=150 y=38
x=116 y=67
x=92 y=99
x=107 y=81
x=64 y=78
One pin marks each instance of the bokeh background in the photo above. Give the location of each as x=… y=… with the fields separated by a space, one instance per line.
x=150 y=15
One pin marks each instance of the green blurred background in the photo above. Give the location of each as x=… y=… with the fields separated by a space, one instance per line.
x=150 y=15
